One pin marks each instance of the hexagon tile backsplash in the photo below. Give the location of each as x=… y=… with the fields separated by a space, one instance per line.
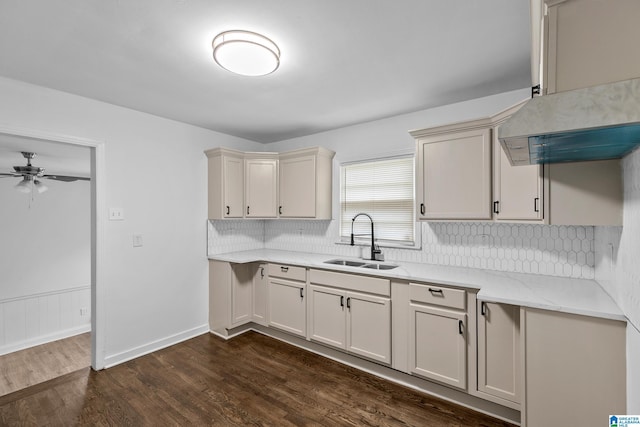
x=566 y=251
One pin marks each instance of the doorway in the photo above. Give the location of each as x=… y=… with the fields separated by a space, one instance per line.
x=96 y=159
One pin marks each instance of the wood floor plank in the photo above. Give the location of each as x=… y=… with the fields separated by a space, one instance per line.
x=249 y=380
x=41 y=363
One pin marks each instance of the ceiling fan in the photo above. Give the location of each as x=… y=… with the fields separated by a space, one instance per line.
x=31 y=176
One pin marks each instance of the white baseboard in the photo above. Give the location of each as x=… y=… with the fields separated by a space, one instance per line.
x=116 y=359
x=43 y=339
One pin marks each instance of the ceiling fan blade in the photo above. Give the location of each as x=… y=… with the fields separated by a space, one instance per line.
x=7 y=175
x=66 y=178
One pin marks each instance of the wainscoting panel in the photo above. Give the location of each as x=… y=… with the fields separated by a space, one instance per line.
x=32 y=320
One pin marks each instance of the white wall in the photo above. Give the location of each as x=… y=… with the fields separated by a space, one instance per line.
x=46 y=242
x=157 y=172
x=618 y=270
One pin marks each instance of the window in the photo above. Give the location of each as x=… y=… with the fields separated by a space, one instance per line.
x=384 y=190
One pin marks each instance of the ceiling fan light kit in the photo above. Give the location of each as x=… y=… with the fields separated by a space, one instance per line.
x=246 y=53
x=30 y=176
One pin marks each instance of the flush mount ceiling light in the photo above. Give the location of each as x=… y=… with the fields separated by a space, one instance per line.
x=245 y=53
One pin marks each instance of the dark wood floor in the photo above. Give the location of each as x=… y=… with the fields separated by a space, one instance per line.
x=249 y=380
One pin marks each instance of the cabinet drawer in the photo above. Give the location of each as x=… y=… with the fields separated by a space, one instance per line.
x=436 y=295
x=353 y=282
x=288 y=272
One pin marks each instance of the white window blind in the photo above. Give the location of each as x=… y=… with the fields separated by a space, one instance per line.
x=384 y=190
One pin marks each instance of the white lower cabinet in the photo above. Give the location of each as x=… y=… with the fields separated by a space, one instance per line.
x=369 y=326
x=230 y=295
x=357 y=322
x=575 y=369
x=499 y=355
x=437 y=345
x=260 y=293
x=437 y=334
x=287 y=303
x=327 y=316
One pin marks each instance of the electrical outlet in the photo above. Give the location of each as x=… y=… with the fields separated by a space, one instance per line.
x=84 y=311
x=137 y=240
x=116 y=214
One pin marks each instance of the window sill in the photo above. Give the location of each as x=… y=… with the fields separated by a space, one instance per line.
x=415 y=247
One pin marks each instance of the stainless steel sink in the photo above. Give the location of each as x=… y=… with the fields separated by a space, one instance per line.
x=346 y=262
x=380 y=266
x=350 y=263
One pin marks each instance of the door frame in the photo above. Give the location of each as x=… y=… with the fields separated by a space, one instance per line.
x=98 y=209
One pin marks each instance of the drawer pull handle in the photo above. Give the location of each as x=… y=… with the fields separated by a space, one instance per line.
x=483 y=308
x=460 y=327
x=436 y=291
x=284 y=269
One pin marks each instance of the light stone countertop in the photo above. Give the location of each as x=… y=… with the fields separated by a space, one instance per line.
x=576 y=296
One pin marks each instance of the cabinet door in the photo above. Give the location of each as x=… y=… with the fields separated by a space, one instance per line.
x=517 y=189
x=298 y=187
x=454 y=175
x=327 y=316
x=260 y=288
x=369 y=326
x=575 y=369
x=241 y=294
x=233 y=186
x=437 y=345
x=261 y=188
x=577 y=56
x=287 y=306
x=499 y=360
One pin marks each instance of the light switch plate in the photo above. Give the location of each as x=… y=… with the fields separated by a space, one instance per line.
x=116 y=214
x=137 y=240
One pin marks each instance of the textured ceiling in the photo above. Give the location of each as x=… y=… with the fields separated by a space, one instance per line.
x=343 y=61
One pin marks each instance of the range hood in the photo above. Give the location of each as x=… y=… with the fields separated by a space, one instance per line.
x=594 y=123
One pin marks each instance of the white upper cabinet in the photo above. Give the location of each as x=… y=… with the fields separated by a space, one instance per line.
x=453 y=174
x=226 y=183
x=305 y=183
x=518 y=191
x=261 y=186
x=586 y=42
x=294 y=184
